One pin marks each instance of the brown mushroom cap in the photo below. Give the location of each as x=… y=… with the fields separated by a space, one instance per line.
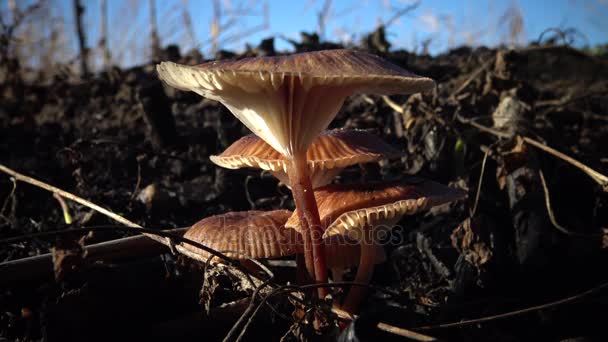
x=343 y=208
x=288 y=100
x=245 y=234
x=328 y=154
x=262 y=235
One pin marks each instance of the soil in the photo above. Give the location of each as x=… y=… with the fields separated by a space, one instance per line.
x=125 y=141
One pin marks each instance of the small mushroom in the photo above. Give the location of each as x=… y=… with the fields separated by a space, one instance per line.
x=328 y=154
x=287 y=101
x=360 y=211
x=244 y=234
x=263 y=235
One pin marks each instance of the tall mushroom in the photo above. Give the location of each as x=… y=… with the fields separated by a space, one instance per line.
x=360 y=210
x=287 y=101
x=328 y=154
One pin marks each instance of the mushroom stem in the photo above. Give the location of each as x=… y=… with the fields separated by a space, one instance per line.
x=337 y=274
x=308 y=213
x=364 y=272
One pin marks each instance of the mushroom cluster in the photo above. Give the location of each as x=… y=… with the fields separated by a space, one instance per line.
x=288 y=103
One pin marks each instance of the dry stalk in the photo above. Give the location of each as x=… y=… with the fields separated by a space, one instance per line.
x=480 y=182
x=20 y=177
x=599 y=178
x=82 y=42
x=472 y=77
x=39 y=266
x=535 y=308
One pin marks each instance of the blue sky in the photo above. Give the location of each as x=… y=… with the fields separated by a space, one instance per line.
x=445 y=23
x=449 y=23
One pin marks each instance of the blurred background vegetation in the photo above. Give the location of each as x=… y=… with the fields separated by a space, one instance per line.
x=96 y=34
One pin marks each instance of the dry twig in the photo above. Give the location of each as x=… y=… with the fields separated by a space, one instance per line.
x=566 y=300
x=82 y=42
x=599 y=178
x=40 y=266
x=20 y=177
x=394 y=106
x=552 y=215
x=472 y=76
x=596 y=176
x=10 y=197
x=412 y=335
x=480 y=182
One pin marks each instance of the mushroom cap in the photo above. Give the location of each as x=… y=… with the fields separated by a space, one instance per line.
x=288 y=100
x=349 y=208
x=245 y=234
x=262 y=235
x=328 y=154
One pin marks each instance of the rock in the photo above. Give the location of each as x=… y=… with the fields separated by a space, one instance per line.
x=509 y=114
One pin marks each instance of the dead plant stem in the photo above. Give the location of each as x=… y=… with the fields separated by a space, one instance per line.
x=566 y=300
x=599 y=178
x=480 y=182
x=20 y=177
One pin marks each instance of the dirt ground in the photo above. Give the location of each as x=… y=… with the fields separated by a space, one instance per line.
x=123 y=140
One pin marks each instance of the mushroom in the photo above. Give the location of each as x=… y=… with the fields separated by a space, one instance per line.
x=243 y=234
x=287 y=101
x=263 y=235
x=329 y=153
x=359 y=211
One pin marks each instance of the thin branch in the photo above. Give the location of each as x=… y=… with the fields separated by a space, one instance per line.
x=167 y=235
x=599 y=178
x=341 y=313
x=188 y=24
x=412 y=335
x=548 y=205
x=552 y=215
x=154 y=38
x=219 y=29
x=104 y=41
x=323 y=17
x=401 y=13
x=394 y=106
x=480 y=182
x=65 y=209
x=472 y=76
x=216 y=27
x=483 y=128
x=545 y=306
x=39 y=266
x=82 y=201
x=245 y=314
x=82 y=42
x=10 y=196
